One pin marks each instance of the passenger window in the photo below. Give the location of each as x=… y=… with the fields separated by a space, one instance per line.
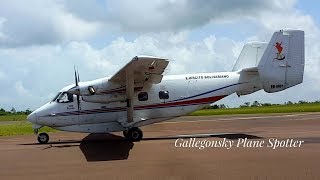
x=163 y=94
x=65 y=98
x=143 y=96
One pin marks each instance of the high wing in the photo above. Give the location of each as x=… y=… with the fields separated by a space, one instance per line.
x=145 y=69
x=142 y=69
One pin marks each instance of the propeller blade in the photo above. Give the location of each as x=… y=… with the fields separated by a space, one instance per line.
x=78 y=76
x=77 y=79
x=78 y=102
x=75 y=76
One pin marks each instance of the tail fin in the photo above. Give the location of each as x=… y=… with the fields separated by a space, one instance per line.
x=282 y=64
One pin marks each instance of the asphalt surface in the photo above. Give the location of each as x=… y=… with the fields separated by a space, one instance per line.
x=109 y=156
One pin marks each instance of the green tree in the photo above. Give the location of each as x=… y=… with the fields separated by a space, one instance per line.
x=215 y=107
x=27 y=112
x=289 y=103
x=13 y=110
x=222 y=106
x=255 y=104
x=2 y=112
x=303 y=102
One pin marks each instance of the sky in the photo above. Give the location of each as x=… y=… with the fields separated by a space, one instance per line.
x=42 y=40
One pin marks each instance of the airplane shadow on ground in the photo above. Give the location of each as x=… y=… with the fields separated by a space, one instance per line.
x=105 y=147
x=218 y=135
x=110 y=147
x=95 y=147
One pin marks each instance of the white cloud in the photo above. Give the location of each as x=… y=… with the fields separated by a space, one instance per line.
x=39 y=23
x=20 y=89
x=41 y=70
x=69 y=27
x=41 y=45
x=2 y=21
x=171 y=15
x=59 y=21
x=205 y=55
x=296 y=20
x=293 y=19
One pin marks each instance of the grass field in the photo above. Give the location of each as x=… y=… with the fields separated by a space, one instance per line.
x=20 y=128
x=13 y=117
x=315 y=107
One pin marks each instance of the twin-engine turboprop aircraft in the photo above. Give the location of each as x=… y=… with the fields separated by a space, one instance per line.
x=139 y=94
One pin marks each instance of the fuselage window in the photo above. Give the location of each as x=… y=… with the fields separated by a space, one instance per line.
x=143 y=96
x=163 y=94
x=65 y=98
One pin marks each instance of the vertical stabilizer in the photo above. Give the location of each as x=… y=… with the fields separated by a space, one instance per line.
x=282 y=64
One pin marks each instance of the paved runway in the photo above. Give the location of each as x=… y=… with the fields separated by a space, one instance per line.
x=88 y=156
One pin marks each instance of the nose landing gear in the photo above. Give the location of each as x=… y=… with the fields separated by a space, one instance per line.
x=43 y=138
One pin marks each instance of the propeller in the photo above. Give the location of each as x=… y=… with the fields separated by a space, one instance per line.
x=76 y=88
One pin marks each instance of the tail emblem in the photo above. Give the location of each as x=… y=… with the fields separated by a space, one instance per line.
x=279 y=47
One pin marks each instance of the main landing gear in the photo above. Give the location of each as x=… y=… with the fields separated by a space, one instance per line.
x=43 y=138
x=133 y=134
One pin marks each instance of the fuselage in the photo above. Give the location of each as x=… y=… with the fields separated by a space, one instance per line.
x=175 y=96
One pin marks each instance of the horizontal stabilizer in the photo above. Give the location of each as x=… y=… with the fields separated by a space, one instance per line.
x=250 y=55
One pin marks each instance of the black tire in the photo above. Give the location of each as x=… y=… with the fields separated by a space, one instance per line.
x=43 y=138
x=134 y=134
x=125 y=133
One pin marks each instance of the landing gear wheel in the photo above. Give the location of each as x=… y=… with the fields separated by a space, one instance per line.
x=43 y=138
x=134 y=134
x=125 y=133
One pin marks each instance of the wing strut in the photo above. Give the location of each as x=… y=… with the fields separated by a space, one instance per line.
x=130 y=94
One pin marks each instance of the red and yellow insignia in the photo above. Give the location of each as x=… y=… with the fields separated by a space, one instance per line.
x=279 y=48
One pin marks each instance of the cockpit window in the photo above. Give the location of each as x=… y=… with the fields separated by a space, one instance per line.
x=55 y=98
x=65 y=98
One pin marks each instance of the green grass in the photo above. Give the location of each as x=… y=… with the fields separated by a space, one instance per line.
x=20 y=128
x=260 y=110
x=21 y=117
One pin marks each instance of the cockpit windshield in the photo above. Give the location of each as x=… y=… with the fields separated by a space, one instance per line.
x=65 y=97
x=55 y=97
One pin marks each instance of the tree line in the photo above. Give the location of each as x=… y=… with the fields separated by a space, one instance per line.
x=257 y=104
x=13 y=111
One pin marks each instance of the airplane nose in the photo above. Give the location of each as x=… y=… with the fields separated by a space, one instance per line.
x=32 y=117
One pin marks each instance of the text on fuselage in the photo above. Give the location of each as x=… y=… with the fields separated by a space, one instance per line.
x=207 y=77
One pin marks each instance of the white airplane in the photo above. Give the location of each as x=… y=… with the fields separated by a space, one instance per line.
x=140 y=95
